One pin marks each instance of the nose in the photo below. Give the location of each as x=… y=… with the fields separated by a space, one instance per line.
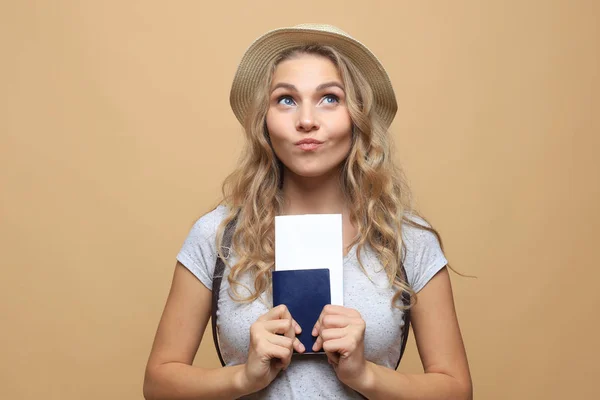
x=306 y=120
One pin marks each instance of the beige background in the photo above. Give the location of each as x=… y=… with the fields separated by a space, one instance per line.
x=116 y=132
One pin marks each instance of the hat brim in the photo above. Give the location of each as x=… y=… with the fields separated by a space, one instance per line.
x=252 y=67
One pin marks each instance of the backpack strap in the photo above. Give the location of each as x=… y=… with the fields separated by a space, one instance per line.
x=216 y=283
x=405 y=317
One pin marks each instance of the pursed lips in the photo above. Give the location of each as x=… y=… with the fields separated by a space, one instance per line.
x=308 y=144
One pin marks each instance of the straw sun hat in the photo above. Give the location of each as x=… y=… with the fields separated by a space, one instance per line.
x=264 y=49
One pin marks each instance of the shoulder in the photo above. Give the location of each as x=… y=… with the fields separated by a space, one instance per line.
x=207 y=225
x=416 y=231
x=199 y=250
x=422 y=251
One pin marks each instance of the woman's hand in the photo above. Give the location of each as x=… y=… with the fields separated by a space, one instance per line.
x=340 y=332
x=270 y=352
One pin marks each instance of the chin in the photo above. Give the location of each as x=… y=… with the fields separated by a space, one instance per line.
x=315 y=171
x=309 y=174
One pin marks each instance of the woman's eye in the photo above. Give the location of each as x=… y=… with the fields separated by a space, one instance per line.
x=286 y=101
x=331 y=99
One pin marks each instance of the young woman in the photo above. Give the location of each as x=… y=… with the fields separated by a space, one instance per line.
x=316 y=106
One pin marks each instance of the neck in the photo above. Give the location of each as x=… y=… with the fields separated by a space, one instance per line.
x=321 y=195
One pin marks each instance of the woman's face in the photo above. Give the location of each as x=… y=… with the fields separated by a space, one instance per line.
x=308 y=121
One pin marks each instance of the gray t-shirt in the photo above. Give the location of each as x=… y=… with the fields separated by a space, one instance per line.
x=311 y=376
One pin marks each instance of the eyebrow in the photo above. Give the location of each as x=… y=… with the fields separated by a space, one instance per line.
x=319 y=88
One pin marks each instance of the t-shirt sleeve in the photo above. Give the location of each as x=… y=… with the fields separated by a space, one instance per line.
x=424 y=257
x=199 y=250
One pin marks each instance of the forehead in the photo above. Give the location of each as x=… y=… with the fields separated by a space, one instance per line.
x=307 y=69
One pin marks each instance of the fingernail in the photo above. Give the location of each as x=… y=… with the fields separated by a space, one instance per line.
x=302 y=348
x=314 y=332
x=314 y=348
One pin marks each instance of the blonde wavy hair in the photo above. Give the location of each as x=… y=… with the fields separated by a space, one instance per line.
x=374 y=186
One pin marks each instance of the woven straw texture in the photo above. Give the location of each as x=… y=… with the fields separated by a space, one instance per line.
x=254 y=63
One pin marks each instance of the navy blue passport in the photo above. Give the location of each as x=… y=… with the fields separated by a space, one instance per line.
x=305 y=292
